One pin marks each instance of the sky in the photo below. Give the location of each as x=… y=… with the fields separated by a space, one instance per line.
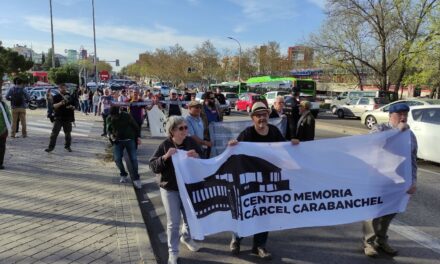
x=126 y=28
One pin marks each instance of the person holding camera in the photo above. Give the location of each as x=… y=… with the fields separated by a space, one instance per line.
x=63 y=107
x=124 y=133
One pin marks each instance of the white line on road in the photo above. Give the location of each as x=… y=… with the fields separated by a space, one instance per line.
x=416 y=235
x=428 y=171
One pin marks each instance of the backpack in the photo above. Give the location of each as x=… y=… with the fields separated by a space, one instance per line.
x=17 y=98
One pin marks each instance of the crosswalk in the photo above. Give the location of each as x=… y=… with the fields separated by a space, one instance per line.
x=80 y=128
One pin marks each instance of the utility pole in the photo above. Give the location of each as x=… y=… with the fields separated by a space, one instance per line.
x=239 y=66
x=51 y=30
x=94 y=45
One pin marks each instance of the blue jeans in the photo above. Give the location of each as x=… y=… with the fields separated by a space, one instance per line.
x=118 y=153
x=174 y=209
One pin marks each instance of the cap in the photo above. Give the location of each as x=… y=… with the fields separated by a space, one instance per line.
x=194 y=103
x=399 y=107
x=173 y=91
x=259 y=107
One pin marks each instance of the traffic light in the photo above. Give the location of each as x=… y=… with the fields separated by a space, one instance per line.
x=117 y=62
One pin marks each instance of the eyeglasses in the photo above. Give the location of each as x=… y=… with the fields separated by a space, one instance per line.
x=173 y=94
x=181 y=128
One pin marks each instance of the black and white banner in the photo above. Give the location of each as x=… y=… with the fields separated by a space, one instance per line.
x=256 y=187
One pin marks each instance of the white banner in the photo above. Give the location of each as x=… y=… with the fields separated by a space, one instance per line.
x=256 y=187
x=222 y=132
x=158 y=121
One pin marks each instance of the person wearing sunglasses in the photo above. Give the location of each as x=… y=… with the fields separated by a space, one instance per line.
x=161 y=163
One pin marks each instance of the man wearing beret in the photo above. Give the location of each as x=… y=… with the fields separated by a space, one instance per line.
x=263 y=132
x=375 y=230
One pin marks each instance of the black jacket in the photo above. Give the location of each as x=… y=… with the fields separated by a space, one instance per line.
x=306 y=128
x=168 y=179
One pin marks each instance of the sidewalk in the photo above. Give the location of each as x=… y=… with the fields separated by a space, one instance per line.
x=63 y=207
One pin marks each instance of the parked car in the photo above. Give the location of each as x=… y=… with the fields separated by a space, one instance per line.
x=424 y=121
x=271 y=96
x=380 y=115
x=231 y=97
x=39 y=95
x=356 y=107
x=246 y=101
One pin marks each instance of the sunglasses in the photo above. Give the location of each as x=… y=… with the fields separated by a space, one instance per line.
x=181 y=128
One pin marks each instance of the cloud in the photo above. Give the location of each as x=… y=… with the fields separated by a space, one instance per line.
x=120 y=42
x=263 y=10
x=240 y=28
x=320 y=3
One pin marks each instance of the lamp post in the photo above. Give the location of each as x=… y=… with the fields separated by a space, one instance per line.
x=51 y=32
x=94 y=45
x=239 y=66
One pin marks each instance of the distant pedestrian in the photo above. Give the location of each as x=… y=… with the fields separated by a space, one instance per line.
x=160 y=162
x=123 y=132
x=63 y=105
x=104 y=108
x=95 y=100
x=375 y=230
x=277 y=109
x=136 y=111
x=174 y=105
x=19 y=101
x=305 y=129
x=5 y=125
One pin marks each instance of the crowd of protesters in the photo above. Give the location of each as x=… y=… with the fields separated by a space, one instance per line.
x=124 y=112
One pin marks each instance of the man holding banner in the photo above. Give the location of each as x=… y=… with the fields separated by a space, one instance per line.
x=375 y=230
x=261 y=131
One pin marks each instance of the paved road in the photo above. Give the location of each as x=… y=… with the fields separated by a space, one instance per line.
x=416 y=233
x=63 y=207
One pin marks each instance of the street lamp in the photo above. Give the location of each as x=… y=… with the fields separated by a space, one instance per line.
x=239 y=66
x=94 y=45
x=51 y=33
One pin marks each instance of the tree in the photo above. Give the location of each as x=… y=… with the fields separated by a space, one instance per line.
x=373 y=35
x=206 y=59
x=48 y=61
x=12 y=63
x=65 y=74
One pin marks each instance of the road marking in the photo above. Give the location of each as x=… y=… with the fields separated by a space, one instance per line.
x=428 y=171
x=416 y=235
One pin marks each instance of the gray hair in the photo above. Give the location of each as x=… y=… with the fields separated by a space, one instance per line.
x=172 y=123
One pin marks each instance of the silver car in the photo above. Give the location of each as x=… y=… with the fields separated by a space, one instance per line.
x=356 y=107
x=381 y=115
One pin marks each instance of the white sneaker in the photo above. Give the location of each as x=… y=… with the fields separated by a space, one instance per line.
x=123 y=179
x=172 y=259
x=137 y=184
x=190 y=244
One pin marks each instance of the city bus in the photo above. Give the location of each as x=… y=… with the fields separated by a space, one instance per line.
x=233 y=87
x=264 y=84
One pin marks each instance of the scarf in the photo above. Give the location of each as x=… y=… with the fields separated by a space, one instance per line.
x=5 y=116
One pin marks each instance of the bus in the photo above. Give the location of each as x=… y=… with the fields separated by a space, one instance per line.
x=305 y=87
x=264 y=84
x=233 y=87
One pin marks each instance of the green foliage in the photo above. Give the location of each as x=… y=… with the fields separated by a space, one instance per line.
x=66 y=74
x=12 y=63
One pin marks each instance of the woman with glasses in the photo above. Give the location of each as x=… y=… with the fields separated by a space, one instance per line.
x=177 y=132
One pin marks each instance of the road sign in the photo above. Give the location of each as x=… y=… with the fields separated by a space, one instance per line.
x=104 y=75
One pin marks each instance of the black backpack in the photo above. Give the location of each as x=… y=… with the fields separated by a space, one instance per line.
x=17 y=97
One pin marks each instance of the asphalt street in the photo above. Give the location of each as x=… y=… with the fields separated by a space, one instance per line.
x=415 y=233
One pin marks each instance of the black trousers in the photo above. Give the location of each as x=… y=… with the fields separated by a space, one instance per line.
x=104 y=118
x=67 y=128
x=3 y=146
x=258 y=241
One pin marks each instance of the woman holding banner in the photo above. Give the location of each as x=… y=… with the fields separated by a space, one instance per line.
x=161 y=163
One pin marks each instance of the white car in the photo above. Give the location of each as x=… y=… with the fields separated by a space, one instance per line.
x=271 y=96
x=424 y=121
